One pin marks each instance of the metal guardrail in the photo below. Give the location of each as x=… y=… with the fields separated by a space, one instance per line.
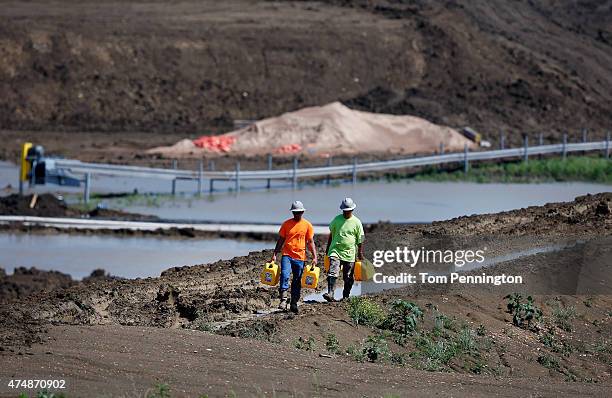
x=88 y=169
x=78 y=167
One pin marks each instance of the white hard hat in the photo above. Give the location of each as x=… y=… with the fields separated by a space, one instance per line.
x=347 y=204
x=297 y=206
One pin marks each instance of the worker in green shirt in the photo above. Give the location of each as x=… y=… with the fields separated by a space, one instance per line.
x=344 y=245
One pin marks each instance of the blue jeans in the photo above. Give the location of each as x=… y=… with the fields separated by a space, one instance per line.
x=291 y=266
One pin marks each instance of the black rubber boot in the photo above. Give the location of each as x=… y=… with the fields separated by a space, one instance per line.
x=346 y=292
x=293 y=307
x=282 y=305
x=331 y=284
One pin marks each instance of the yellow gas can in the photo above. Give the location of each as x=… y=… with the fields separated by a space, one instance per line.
x=357 y=271
x=310 y=277
x=270 y=274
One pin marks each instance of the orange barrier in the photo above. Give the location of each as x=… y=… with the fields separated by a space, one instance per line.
x=215 y=143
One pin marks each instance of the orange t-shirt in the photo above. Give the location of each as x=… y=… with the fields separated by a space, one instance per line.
x=295 y=235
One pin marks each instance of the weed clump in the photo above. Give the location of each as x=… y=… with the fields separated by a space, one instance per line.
x=332 y=344
x=403 y=317
x=523 y=313
x=302 y=344
x=563 y=316
x=364 y=311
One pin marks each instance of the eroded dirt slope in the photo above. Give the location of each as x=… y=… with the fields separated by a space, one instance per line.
x=189 y=66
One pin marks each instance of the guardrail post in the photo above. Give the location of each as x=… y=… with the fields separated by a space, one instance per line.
x=540 y=142
x=294 y=179
x=269 y=168
x=174 y=165
x=526 y=148
x=87 y=188
x=354 y=170
x=211 y=167
x=237 y=177
x=200 y=176
x=584 y=135
x=329 y=164
x=564 y=146
x=608 y=145
x=466 y=164
x=441 y=148
x=502 y=140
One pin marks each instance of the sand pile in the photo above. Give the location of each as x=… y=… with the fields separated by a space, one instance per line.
x=330 y=129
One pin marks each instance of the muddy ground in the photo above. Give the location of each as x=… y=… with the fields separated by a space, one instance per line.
x=174 y=322
x=49 y=205
x=196 y=66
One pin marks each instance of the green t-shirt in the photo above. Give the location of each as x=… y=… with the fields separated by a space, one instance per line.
x=346 y=235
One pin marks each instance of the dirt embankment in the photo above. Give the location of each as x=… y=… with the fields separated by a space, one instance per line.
x=198 y=65
x=24 y=282
x=224 y=295
x=48 y=205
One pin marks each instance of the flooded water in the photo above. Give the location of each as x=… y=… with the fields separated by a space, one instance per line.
x=403 y=201
x=377 y=201
x=127 y=257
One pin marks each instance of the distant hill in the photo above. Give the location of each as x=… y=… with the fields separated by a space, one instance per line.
x=518 y=66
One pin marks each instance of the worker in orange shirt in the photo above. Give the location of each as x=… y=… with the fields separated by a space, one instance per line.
x=294 y=235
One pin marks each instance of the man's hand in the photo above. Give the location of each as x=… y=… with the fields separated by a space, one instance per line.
x=315 y=260
x=273 y=258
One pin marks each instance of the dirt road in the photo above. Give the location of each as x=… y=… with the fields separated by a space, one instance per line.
x=124 y=361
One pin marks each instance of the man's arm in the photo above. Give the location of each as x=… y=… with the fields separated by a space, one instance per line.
x=279 y=245
x=313 y=249
x=360 y=255
x=360 y=239
x=329 y=239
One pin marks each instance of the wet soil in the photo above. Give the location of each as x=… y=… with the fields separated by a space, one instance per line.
x=48 y=205
x=226 y=297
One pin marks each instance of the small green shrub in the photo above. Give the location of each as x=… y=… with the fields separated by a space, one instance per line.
x=435 y=354
x=301 y=344
x=364 y=311
x=563 y=317
x=376 y=349
x=481 y=330
x=332 y=344
x=549 y=340
x=403 y=317
x=465 y=341
x=548 y=362
x=45 y=394
x=161 y=390
x=523 y=314
x=373 y=349
x=356 y=353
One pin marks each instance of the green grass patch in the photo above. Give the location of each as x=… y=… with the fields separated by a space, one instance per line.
x=574 y=168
